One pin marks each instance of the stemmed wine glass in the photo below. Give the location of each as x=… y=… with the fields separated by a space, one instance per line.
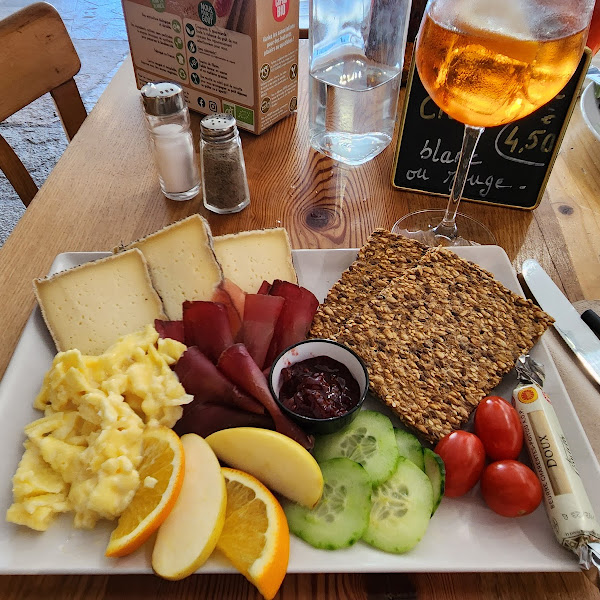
x=487 y=63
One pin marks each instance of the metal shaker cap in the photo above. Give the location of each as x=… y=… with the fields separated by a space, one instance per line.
x=162 y=98
x=218 y=127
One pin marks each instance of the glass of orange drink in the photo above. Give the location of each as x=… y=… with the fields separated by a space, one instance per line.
x=487 y=63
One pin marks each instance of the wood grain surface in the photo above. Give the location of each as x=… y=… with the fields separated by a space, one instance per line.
x=105 y=190
x=382 y=586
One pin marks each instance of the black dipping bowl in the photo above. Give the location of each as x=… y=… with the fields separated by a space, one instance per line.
x=311 y=349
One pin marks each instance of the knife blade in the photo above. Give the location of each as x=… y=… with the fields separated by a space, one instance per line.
x=592 y=320
x=578 y=336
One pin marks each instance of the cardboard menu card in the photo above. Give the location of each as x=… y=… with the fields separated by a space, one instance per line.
x=234 y=56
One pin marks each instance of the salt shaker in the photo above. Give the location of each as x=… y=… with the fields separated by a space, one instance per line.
x=224 y=183
x=168 y=121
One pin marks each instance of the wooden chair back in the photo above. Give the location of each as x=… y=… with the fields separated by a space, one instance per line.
x=37 y=56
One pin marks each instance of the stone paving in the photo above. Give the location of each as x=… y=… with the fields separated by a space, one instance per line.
x=98 y=31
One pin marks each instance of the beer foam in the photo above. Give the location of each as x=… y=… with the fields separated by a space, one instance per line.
x=505 y=18
x=523 y=20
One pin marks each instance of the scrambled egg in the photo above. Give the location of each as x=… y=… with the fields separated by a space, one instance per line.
x=83 y=454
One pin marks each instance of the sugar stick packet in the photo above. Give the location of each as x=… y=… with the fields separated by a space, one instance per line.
x=567 y=504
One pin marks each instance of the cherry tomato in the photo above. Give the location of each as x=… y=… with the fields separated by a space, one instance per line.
x=464 y=457
x=511 y=488
x=498 y=426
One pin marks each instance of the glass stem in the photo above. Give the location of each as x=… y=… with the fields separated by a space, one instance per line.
x=447 y=227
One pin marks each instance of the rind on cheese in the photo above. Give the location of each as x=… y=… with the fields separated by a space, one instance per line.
x=90 y=306
x=182 y=263
x=249 y=257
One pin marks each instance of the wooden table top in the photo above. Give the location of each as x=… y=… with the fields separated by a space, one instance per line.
x=105 y=190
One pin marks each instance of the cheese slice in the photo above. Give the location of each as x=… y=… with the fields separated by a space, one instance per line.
x=182 y=263
x=250 y=257
x=89 y=307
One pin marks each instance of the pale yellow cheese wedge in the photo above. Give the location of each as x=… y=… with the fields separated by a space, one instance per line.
x=189 y=534
x=250 y=257
x=182 y=263
x=276 y=460
x=91 y=306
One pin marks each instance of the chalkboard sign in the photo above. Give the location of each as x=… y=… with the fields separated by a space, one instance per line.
x=512 y=162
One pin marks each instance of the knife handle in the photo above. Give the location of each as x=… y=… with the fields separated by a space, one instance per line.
x=592 y=320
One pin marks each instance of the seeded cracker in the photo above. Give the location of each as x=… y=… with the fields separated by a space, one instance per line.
x=384 y=256
x=439 y=338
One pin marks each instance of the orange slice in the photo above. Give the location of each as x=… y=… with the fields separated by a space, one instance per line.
x=161 y=476
x=255 y=537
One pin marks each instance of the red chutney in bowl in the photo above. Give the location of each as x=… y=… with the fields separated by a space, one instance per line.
x=319 y=387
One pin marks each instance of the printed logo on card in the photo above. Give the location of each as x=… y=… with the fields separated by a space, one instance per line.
x=281 y=8
x=527 y=395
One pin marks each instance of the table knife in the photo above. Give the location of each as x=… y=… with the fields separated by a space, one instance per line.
x=578 y=336
x=592 y=320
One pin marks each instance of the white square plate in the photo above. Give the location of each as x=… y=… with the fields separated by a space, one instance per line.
x=590 y=109
x=464 y=535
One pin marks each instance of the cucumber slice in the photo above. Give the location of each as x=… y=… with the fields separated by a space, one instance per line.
x=401 y=509
x=369 y=440
x=436 y=471
x=410 y=447
x=342 y=514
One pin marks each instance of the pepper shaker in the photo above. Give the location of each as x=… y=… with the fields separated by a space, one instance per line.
x=168 y=121
x=224 y=183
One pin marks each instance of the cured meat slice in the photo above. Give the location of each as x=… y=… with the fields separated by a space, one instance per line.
x=233 y=297
x=265 y=288
x=261 y=313
x=170 y=329
x=201 y=378
x=295 y=319
x=237 y=364
x=206 y=325
x=204 y=418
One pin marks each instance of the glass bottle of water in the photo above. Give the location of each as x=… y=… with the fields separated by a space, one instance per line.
x=356 y=55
